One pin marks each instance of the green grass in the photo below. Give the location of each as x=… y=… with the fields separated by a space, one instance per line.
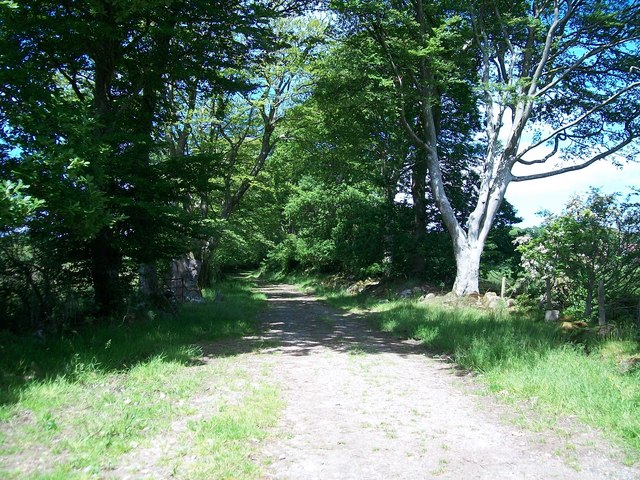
x=86 y=400
x=227 y=439
x=118 y=347
x=522 y=359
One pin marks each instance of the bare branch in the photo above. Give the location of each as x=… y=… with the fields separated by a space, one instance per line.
x=578 y=63
x=573 y=168
x=575 y=122
x=556 y=145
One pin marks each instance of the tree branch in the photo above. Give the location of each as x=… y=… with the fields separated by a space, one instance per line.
x=573 y=168
x=575 y=122
x=568 y=70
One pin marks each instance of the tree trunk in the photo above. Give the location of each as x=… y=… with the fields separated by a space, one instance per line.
x=467 y=269
x=588 y=302
x=602 y=320
x=418 y=187
x=106 y=262
x=149 y=284
x=548 y=293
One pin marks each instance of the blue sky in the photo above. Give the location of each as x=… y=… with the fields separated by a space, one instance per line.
x=552 y=193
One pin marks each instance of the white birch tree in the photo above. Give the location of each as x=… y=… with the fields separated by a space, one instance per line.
x=566 y=72
x=557 y=85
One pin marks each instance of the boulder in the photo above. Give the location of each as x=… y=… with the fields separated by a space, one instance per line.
x=630 y=364
x=552 y=315
x=487 y=300
x=493 y=301
x=183 y=282
x=606 y=330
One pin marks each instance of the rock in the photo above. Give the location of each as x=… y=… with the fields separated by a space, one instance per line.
x=630 y=364
x=417 y=290
x=566 y=326
x=605 y=330
x=428 y=297
x=493 y=302
x=406 y=293
x=362 y=286
x=490 y=300
x=511 y=303
x=183 y=282
x=552 y=315
x=573 y=326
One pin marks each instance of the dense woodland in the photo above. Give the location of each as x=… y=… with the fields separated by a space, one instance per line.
x=366 y=138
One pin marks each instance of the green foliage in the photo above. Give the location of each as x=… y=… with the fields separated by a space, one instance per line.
x=87 y=97
x=593 y=239
x=333 y=228
x=15 y=205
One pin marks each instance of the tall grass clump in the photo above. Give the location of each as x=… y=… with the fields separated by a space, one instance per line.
x=477 y=340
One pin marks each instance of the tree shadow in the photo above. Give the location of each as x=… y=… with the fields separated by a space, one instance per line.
x=104 y=349
x=298 y=324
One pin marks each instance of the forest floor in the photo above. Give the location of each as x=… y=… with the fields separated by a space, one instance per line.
x=359 y=404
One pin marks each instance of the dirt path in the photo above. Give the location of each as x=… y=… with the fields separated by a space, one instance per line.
x=362 y=405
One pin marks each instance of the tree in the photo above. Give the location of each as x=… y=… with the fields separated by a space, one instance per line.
x=594 y=239
x=230 y=136
x=563 y=72
x=84 y=91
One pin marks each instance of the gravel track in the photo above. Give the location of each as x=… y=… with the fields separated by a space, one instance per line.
x=363 y=405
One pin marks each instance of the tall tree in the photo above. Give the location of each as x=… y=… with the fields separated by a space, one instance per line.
x=559 y=87
x=231 y=135
x=84 y=90
x=562 y=73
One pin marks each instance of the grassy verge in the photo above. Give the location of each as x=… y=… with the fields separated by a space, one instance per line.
x=228 y=439
x=522 y=359
x=80 y=403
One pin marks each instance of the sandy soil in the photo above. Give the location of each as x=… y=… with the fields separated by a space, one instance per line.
x=362 y=405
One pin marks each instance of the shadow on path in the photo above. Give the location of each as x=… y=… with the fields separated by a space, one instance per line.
x=299 y=324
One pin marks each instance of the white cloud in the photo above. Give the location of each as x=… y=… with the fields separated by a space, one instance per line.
x=552 y=193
